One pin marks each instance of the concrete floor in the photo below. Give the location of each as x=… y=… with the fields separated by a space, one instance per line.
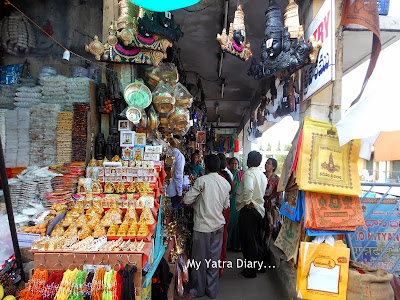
x=264 y=286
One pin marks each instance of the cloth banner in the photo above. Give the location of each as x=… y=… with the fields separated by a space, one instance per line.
x=323 y=165
x=364 y=13
x=322 y=271
x=292 y=204
x=288 y=239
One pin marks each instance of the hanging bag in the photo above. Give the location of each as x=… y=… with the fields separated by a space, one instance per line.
x=323 y=271
x=323 y=165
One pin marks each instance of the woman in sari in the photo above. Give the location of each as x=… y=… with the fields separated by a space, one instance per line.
x=233 y=227
x=271 y=200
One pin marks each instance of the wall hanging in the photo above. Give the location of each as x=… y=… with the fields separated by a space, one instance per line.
x=129 y=43
x=283 y=48
x=235 y=42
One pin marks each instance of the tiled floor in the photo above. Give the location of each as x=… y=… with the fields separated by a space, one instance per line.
x=264 y=286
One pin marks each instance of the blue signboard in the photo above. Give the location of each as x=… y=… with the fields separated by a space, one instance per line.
x=381 y=227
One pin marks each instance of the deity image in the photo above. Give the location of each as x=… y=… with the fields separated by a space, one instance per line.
x=235 y=41
x=127 y=138
x=239 y=37
x=282 y=50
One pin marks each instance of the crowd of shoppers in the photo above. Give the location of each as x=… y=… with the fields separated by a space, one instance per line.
x=232 y=210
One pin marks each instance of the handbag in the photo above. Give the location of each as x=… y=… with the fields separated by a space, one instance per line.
x=323 y=165
x=323 y=271
x=288 y=239
x=333 y=212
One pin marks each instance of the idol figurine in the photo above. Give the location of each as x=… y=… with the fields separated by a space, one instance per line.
x=280 y=52
x=100 y=146
x=235 y=42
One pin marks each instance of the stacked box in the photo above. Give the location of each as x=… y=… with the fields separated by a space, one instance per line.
x=64 y=136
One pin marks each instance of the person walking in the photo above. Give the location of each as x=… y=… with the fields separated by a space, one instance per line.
x=233 y=227
x=222 y=171
x=209 y=196
x=250 y=204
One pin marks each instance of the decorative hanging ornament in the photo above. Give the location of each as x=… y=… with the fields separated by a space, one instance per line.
x=235 y=41
x=283 y=47
x=163 y=5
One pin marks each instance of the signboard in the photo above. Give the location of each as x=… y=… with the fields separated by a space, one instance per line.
x=385 y=234
x=317 y=76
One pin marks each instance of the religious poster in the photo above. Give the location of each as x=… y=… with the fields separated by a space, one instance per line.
x=201 y=137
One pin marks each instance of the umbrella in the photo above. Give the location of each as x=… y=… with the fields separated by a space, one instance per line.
x=374 y=120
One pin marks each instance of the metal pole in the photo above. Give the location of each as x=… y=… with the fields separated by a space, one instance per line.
x=10 y=213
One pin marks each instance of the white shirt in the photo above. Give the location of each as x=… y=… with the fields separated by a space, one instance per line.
x=229 y=173
x=251 y=190
x=175 y=186
x=210 y=195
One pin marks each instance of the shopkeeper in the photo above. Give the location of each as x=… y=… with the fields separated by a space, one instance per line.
x=175 y=187
x=196 y=169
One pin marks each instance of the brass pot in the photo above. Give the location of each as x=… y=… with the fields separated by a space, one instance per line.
x=184 y=102
x=164 y=103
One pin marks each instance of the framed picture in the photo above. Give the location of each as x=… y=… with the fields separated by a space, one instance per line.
x=127 y=139
x=140 y=139
x=125 y=125
x=201 y=137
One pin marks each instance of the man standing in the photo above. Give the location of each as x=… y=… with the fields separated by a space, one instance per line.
x=209 y=196
x=175 y=187
x=250 y=204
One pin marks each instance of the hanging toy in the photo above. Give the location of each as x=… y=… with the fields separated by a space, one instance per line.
x=235 y=41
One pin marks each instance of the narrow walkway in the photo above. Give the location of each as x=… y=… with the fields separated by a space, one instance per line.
x=231 y=287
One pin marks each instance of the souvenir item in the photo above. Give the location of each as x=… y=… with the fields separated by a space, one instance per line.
x=125 y=125
x=143 y=230
x=323 y=165
x=127 y=139
x=317 y=262
x=280 y=52
x=138 y=95
x=134 y=115
x=288 y=239
x=332 y=212
x=182 y=96
x=160 y=23
x=147 y=216
x=235 y=41
x=163 y=99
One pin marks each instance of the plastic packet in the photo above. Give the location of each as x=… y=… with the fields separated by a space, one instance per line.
x=153 y=121
x=163 y=98
x=182 y=96
x=168 y=73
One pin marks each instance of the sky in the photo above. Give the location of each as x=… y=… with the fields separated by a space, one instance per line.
x=284 y=131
